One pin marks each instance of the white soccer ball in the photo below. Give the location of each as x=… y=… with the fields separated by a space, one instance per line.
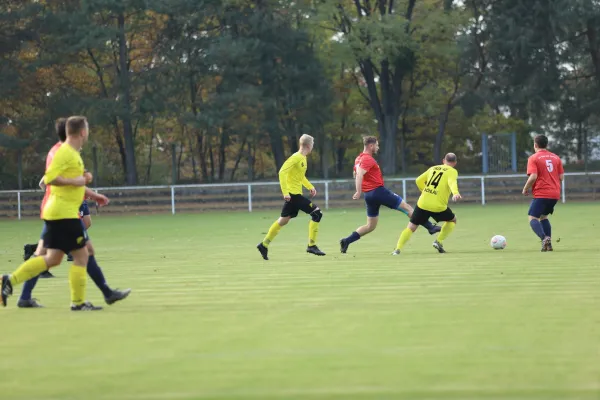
x=498 y=242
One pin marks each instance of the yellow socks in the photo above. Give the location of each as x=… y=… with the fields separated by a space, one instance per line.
x=77 y=281
x=313 y=231
x=404 y=237
x=447 y=229
x=29 y=269
x=273 y=231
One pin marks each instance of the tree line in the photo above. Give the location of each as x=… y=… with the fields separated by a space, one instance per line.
x=226 y=87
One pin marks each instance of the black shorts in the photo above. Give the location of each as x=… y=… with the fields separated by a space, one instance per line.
x=421 y=216
x=297 y=203
x=65 y=235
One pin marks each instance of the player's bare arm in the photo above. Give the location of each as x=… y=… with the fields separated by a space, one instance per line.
x=360 y=173
x=530 y=181
x=97 y=197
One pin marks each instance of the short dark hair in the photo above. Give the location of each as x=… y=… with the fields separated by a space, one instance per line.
x=541 y=141
x=367 y=140
x=75 y=125
x=60 y=126
x=450 y=157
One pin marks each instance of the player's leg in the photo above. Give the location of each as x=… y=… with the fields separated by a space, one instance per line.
x=26 y=300
x=289 y=211
x=405 y=235
x=53 y=239
x=536 y=210
x=419 y=216
x=78 y=279
x=373 y=205
x=545 y=222
x=41 y=251
x=74 y=241
x=316 y=215
x=28 y=270
x=548 y=231
x=86 y=220
x=111 y=296
x=408 y=210
x=449 y=224
x=359 y=232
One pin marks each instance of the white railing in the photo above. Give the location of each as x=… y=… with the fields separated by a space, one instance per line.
x=326 y=184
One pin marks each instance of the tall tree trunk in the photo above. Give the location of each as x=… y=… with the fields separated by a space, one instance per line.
x=293 y=143
x=403 y=150
x=125 y=89
x=193 y=157
x=222 y=153
x=250 y=163
x=443 y=121
x=201 y=149
x=149 y=167
x=387 y=131
x=594 y=45
x=238 y=158
x=277 y=149
x=340 y=152
x=340 y=155
x=324 y=153
x=120 y=144
x=179 y=157
x=439 y=137
x=211 y=158
x=404 y=125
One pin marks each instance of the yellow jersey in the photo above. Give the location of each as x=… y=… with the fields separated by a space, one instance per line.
x=64 y=201
x=436 y=184
x=292 y=175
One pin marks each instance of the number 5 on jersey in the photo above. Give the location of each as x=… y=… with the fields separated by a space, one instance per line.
x=549 y=165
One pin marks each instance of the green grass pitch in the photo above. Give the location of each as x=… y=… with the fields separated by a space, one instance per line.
x=209 y=319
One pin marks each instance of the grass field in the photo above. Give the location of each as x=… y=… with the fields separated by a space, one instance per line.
x=209 y=319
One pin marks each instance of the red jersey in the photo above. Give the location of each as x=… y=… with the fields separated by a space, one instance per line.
x=548 y=168
x=373 y=178
x=49 y=158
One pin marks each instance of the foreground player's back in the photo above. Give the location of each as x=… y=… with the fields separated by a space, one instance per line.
x=436 y=185
x=549 y=169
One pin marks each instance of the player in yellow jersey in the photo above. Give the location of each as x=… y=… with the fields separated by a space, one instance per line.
x=292 y=177
x=65 y=233
x=436 y=185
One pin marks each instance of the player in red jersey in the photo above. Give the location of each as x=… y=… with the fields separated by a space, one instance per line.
x=369 y=180
x=545 y=170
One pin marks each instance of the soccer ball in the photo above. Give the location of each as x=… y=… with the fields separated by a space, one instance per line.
x=498 y=242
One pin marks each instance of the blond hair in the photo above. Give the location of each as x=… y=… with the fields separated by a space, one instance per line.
x=306 y=140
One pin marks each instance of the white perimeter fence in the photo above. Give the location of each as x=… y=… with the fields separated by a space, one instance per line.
x=251 y=196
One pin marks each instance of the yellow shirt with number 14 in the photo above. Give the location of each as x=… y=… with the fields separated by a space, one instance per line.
x=436 y=185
